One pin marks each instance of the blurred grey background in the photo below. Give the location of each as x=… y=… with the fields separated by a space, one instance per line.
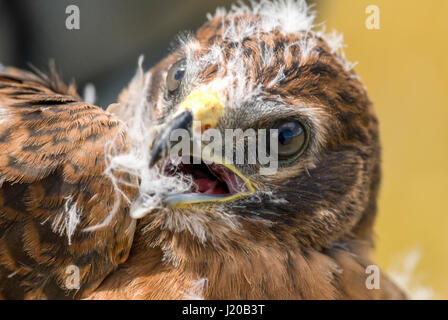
x=112 y=35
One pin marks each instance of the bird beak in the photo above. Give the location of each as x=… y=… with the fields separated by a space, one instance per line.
x=162 y=143
x=214 y=180
x=200 y=111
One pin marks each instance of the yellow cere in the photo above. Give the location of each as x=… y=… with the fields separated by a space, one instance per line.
x=206 y=108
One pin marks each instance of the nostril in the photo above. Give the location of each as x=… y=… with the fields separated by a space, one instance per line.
x=205 y=127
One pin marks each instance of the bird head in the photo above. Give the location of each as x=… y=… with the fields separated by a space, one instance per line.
x=262 y=68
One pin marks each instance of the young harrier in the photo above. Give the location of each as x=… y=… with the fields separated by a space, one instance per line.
x=92 y=207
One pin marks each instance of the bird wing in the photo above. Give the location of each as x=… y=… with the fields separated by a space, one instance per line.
x=53 y=187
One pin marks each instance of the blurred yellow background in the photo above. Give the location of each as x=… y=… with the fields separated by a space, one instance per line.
x=404 y=66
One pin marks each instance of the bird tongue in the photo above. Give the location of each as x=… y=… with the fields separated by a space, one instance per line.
x=233 y=182
x=208 y=186
x=211 y=178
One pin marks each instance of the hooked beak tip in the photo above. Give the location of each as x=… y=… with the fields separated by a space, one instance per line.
x=162 y=142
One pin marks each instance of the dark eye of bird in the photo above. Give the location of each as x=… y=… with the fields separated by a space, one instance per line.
x=175 y=75
x=292 y=139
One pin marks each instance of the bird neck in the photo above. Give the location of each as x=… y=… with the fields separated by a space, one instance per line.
x=183 y=270
x=179 y=269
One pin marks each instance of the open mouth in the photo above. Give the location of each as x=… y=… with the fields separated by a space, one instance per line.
x=211 y=181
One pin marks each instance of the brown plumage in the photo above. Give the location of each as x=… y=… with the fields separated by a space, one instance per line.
x=302 y=233
x=52 y=149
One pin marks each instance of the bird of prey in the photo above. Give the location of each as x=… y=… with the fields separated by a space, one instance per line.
x=94 y=206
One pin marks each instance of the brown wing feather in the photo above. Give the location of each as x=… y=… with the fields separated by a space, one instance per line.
x=52 y=159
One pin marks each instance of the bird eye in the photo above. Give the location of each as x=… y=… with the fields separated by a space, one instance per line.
x=175 y=76
x=292 y=139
